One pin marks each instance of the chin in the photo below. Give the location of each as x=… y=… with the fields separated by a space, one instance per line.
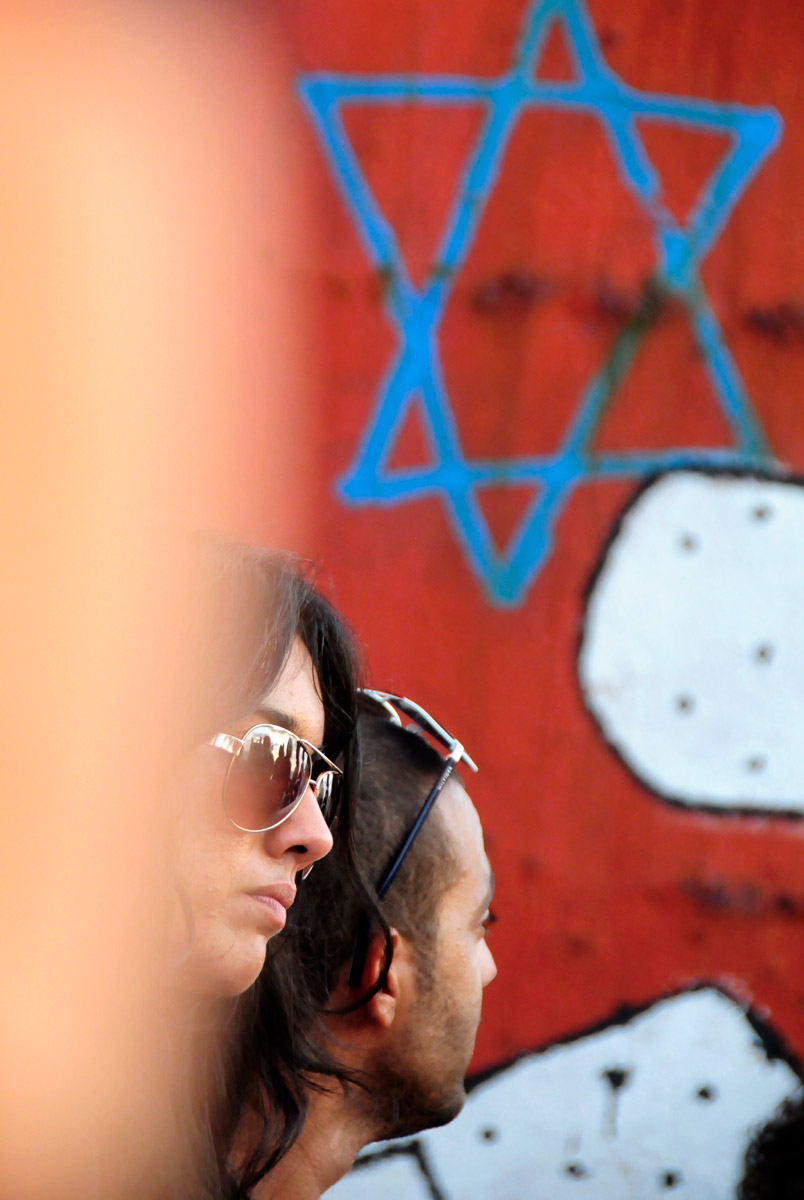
x=225 y=975
x=241 y=975
x=449 y=1110
x=234 y=984
x=418 y=1110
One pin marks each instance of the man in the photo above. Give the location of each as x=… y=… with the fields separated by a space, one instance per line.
x=403 y=1003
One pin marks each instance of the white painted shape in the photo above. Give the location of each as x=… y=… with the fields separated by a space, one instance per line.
x=554 y=1108
x=664 y=622
x=394 y=1178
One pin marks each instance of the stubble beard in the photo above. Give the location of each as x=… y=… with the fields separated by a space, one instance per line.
x=418 y=1083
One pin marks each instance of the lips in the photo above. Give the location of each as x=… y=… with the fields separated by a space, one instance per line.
x=274 y=901
x=282 y=893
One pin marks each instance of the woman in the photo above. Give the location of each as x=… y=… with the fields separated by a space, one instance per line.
x=267 y=728
x=274 y=705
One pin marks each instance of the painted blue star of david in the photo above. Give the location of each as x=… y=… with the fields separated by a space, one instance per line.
x=415 y=370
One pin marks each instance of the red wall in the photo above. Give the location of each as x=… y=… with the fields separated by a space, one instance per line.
x=606 y=894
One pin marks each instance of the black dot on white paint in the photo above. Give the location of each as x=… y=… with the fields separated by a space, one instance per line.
x=764 y=652
x=576 y=1170
x=757 y=763
x=762 y=512
x=688 y=542
x=670 y=1179
x=706 y=1092
x=489 y=1135
x=685 y=704
x=616 y=1077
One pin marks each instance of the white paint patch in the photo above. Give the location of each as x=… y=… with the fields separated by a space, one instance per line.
x=694 y=1079
x=693 y=652
x=397 y=1176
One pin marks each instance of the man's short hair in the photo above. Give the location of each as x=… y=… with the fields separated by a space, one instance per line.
x=774 y=1162
x=399 y=767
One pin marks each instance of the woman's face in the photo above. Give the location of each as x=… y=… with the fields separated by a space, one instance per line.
x=239 y=885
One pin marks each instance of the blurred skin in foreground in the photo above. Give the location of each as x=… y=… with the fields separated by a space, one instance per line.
x=144 y=199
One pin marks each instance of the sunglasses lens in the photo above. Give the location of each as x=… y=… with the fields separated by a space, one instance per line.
x=327 y=791
x=266 y=780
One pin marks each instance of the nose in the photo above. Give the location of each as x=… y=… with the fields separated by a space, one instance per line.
x=488 y=970
x=305 y=834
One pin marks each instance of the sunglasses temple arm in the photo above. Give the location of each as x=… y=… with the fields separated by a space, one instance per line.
x=441 y=783
x=359 y=951
x=423 y=718
x=425 y=721
x=362 y=937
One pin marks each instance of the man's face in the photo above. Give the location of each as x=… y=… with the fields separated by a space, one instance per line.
x=423 y=1073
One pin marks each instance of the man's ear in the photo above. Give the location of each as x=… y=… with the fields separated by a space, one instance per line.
x=396 y=988
x=381 y=1008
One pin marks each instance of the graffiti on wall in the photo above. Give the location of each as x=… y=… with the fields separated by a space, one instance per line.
x=667 y=1098
x=686 y=663
x=415 y=375
x=701 y=696
x=658 y=1101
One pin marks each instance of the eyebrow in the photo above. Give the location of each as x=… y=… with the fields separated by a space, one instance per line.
x=275 y=716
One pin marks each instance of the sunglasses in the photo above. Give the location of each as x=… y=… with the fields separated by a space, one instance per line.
x=392 y=706
x=269 y=772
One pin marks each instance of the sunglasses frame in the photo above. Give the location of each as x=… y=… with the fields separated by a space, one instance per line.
x=235 y=745
x=455 y=754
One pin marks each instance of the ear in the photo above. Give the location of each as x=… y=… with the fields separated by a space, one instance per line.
x=384 y=1006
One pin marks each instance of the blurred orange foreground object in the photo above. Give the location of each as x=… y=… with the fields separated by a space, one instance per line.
x=147 y=370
